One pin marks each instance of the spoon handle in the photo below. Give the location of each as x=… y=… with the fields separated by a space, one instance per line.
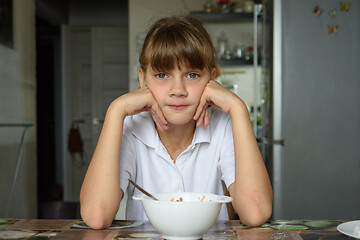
x=142 y=190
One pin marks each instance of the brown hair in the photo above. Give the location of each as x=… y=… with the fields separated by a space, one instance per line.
x=180 y=40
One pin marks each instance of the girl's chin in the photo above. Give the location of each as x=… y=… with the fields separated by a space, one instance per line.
x=180 y=118
x=180 y=122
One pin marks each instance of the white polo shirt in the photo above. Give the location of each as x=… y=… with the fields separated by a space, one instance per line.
x=204 y=167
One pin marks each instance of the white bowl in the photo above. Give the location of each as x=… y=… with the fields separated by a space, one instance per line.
x=186 y=219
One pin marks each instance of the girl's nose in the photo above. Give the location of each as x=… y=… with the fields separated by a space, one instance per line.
x=178 y=87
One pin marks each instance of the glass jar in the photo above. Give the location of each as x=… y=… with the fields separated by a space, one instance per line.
x=223 y=6
x=239 y=51
x=237 y=6
x=249 y=6
x=222 y=45
x=209 y=7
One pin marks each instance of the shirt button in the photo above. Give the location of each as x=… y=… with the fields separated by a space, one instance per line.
x=193 y=147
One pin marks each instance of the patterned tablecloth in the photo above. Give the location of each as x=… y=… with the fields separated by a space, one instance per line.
x=76 y=229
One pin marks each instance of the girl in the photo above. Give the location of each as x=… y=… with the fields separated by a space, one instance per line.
x=165 y=137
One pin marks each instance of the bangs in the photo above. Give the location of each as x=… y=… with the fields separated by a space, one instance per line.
x=175 y=45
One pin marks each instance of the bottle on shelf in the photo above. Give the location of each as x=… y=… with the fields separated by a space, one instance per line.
x=223 y=47
x=223 y=6
x=239 y=51
x=209 y=7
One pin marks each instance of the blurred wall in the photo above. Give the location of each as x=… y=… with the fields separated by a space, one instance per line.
x=17 y=105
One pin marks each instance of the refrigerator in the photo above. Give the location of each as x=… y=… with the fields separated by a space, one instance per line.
x=311 y=117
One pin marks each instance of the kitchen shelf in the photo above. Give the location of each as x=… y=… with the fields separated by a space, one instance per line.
x=223 y=17
x=234 y=62
x=218 y=17
x=233 y=17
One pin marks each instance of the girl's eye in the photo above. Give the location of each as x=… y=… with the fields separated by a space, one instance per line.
x=193 y=75
x=161 y=75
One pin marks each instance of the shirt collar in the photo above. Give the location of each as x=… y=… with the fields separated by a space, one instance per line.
x=143 y=128
x=202 y=134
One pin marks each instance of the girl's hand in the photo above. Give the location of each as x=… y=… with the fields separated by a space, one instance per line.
x=142 y=100
x=218 y=96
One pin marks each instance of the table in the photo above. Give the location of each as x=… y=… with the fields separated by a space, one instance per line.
x=74 y=229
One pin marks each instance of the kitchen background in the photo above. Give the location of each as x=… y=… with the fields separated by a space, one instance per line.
x=68 y=60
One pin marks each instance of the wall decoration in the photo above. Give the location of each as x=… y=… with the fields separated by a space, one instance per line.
x=6 y=23
x=333 y=28
x=333 y=13
x=344 y=6
x=317 y=10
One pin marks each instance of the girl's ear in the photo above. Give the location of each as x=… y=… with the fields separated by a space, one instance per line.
x=213 y=74
x=142 y=78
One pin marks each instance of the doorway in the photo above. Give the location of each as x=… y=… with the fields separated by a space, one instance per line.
x=47 y=74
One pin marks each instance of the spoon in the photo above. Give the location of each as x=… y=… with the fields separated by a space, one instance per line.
x=142 y=190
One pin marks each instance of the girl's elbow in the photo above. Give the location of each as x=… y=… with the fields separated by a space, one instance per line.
x=96 y=224
x=256 y=216
x=253 y=222
x=95 y=220
x=257 y=219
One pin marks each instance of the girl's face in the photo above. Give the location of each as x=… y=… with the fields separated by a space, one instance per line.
x=177 y=91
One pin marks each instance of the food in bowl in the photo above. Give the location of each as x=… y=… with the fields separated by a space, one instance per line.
x=177 y=200
x=184 y=215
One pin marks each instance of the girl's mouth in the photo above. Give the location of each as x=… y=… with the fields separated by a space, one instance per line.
x=178 y=107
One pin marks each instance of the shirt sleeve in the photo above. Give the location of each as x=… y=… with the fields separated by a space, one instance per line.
x=127 y=155
x=227 y=157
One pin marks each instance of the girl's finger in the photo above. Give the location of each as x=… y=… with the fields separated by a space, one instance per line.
x=200 y=108
x=158 y=117
x=157 y=111
x=201 y=118
x=159 y=125
x=158 y=122
x=207 y=119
